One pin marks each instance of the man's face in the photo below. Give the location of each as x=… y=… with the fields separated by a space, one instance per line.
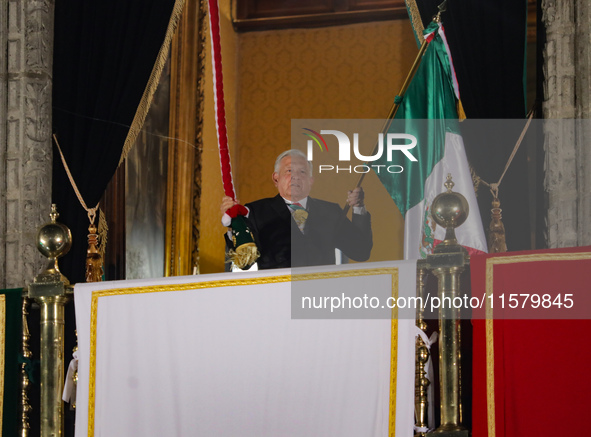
x=293 y=181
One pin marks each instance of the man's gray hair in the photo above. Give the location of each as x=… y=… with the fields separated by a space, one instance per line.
x=294 y=153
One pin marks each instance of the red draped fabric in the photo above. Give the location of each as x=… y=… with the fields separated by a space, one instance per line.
x=530 y=365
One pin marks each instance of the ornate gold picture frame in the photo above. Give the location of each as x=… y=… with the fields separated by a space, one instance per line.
x=185 y=143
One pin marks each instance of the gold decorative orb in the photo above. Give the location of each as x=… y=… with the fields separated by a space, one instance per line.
x=450 y=209
x=54 y=239
x=422 y=354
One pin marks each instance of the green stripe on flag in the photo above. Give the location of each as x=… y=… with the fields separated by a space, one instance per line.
x=428 y=112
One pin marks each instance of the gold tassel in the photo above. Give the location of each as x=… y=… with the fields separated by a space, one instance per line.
x=496 y=230
x=244 y=256
x=94 y=261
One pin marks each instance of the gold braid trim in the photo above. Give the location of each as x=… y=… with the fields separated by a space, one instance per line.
x=146 y=101
x=103 y=229
x=415 y=19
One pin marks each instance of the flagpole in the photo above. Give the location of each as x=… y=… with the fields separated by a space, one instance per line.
x=401 y=93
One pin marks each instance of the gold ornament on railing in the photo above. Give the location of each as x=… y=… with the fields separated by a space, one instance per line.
x=26 y=369
x=422 y=355
x=449 y=210
x=51 y=292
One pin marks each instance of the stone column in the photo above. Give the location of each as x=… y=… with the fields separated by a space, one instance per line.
x=583 y=107
x=567 y=88
x=26 y=35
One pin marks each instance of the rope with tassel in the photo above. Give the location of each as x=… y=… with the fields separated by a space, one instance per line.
x=245 y=252
x=496 y=230
x=97 y=238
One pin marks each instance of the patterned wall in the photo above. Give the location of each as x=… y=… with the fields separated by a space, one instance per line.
x=351 y=71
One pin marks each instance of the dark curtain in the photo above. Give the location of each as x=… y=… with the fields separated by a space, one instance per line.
x=487 y=42
x=487 y=39
x=104 y=52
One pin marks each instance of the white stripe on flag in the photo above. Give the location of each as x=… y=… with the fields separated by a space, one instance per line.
x=471 y=233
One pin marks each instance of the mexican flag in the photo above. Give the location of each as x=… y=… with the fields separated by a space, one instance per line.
x=428 y=111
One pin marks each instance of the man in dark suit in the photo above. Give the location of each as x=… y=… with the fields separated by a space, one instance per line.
x=293 y=229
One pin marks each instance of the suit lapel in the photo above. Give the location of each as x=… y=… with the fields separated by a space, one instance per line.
x=312 y=208
x=280 y=208
x=315 y=219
